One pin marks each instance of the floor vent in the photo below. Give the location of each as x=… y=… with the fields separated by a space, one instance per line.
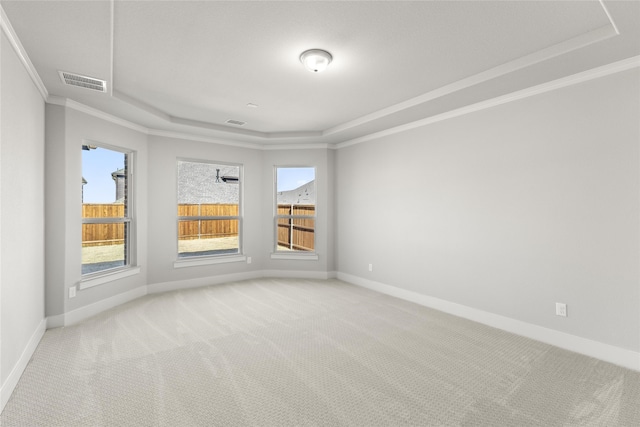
x=236 y=122
x=83 y=81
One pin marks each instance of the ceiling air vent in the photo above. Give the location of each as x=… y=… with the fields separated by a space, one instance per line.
x=236 y=122
x=83 y=81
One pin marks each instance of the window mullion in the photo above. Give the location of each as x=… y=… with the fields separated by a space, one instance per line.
x=105 y=220
x=206 y=218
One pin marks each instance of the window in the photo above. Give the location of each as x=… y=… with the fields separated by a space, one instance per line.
x=295 y=209
x=209 y=214
x=106 y=209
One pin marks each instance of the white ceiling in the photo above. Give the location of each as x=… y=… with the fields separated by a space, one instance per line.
x=188 y=66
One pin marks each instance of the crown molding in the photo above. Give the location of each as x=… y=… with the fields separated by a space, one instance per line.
x=65 y=102
x=558 y=49
x=584 y=76
x=69 y=103
x=182 y=121
x=574 y=79
x=141 y=105
x=201 y=138
x=208 y=125
x=591 y=37
x=241 y=144
x=296 y=146
x=217 y=127
x=611 y=21
x=22 y=53
x=294 y=134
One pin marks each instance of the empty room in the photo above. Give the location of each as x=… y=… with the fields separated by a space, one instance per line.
x=331 y=213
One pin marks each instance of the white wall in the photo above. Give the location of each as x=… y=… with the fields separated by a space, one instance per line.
x=22 y=216
x=508 y=210
x=163 y=154
x=155 y=178
x=258 y=198
x=56 y=208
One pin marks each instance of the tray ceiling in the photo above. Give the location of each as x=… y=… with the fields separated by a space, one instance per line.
x=193 y=66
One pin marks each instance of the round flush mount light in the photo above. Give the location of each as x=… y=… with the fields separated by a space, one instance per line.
x=316 y=60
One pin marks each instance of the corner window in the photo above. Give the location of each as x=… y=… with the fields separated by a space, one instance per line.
x=209 y=212
x=295 y=209
x=106 y=209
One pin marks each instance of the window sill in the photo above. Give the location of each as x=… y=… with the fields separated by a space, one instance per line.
x=101 y=279
x=295 y=256
x=193 y=262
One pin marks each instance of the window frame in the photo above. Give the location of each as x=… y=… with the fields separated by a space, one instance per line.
x=129 y=220
x=294 y=254
x=196 y=260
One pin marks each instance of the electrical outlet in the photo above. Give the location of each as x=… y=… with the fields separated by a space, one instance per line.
x=248 y=260
x=561 y=309
x=370 y=267
x=72 y=292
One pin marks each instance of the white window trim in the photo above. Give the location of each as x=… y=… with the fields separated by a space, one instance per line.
x=293 y=255
x=131 y=268
x=193 y=261
x=306 y=256
x=209 y=260
x=110 y=275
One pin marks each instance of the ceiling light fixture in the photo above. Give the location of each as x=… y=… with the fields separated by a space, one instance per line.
x=316 y=60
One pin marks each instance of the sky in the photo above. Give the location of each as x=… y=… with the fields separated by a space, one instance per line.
x=292 y=178
x=97 y=166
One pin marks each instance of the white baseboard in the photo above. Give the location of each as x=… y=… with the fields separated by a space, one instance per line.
x=235 y=277
x=90 y=310
x=82 y=313
x=616 y=355
x=56 y=321
x=202 y=281
x=296 y=274
x=12 y=380
x=609 y=353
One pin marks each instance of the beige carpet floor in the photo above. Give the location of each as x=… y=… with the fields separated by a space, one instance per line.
x=275 y=352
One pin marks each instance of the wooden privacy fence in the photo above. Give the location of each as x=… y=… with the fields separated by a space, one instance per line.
x=102 y=234
x=207 y=228
x=113 y=234
x=296 y=233
x=293 y=233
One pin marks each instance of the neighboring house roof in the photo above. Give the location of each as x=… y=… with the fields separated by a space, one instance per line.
x=197 y=184
x=303 y=195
